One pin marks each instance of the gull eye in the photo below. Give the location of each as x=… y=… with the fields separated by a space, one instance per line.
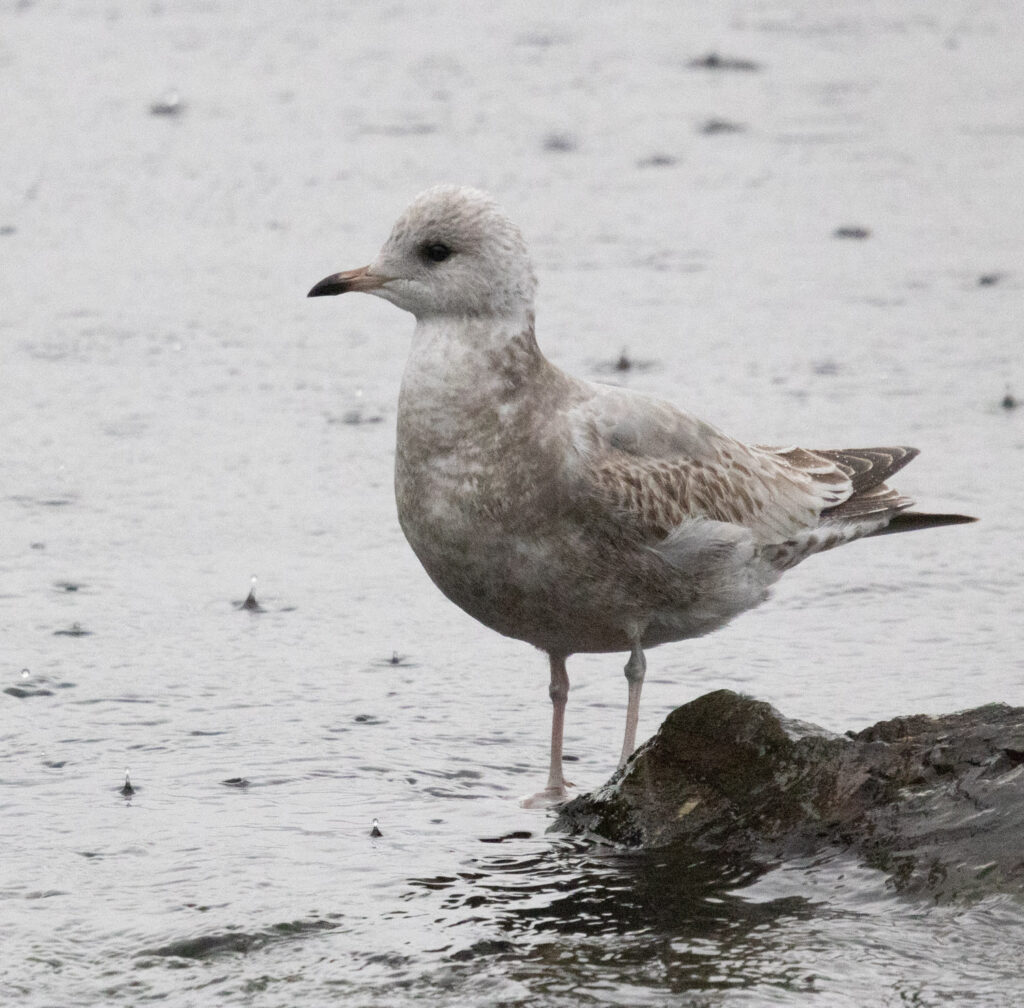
x=436 y=251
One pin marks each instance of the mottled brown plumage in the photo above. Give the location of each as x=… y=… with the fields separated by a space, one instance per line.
x=575 y=516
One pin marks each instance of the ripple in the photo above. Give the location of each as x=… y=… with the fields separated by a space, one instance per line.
x=219 y=943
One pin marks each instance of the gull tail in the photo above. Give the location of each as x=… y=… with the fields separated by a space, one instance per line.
x=911 y=521
x=868 y=469
x=872 y=509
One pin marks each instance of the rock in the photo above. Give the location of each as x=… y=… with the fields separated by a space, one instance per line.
x=937 y=803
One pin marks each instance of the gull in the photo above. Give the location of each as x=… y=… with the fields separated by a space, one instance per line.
x=575 y=516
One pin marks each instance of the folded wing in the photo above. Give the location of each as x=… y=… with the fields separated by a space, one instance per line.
x=658 y=467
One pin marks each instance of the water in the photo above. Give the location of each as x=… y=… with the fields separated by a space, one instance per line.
x=177 y=418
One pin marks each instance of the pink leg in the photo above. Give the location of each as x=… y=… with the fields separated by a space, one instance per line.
x=559 y=693
x=635 y=669
x=555 y=792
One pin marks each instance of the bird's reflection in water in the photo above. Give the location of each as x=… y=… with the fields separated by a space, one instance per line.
x=673 y=917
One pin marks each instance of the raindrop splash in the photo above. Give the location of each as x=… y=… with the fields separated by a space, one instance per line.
x=250 y=602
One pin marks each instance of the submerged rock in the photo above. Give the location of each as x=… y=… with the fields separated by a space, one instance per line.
x=937 y=803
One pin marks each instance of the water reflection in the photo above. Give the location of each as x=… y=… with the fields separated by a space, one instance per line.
x=673 y=920
x=573 y=923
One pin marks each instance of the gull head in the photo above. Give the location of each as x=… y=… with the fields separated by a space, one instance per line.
x=452 y=252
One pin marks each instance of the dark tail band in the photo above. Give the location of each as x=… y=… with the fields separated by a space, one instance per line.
x=910 y=521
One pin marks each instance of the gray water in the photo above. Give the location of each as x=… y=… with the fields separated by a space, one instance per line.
x=176 y=417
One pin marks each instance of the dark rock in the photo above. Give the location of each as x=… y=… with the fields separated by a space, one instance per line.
x=937 y=803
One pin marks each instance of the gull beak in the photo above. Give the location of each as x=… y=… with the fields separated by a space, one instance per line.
x=350 y=280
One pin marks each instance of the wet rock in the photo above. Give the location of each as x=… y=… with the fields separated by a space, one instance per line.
x=937 y=803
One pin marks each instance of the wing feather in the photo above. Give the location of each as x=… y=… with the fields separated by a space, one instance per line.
x=658 y=466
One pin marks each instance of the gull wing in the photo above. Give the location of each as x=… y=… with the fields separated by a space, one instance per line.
x=657 y=466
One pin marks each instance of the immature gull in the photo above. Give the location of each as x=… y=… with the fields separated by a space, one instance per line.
x=577 y=516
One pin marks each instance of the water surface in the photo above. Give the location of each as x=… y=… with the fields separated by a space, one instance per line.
x=177 y=417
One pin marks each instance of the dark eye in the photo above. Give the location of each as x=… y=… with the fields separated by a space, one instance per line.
x=436 y=251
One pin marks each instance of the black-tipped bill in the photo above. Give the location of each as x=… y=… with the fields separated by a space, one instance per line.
x=350 y=280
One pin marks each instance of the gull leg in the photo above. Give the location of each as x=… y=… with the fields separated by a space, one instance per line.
x=635 y=669
x=559 y=693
